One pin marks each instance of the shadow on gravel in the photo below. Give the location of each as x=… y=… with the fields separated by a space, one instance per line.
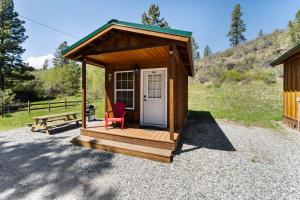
x=51 y=168
x=202 y=131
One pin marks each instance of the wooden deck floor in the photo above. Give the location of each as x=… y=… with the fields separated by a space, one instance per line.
x=132 y=131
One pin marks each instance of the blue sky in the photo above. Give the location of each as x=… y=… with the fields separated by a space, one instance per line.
x=209 y=20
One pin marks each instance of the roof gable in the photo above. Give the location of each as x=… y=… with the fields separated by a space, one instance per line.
x=131 y=25
x=291 y=52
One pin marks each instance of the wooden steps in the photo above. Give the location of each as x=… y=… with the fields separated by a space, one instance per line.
x=136 y=139
x=157 y=154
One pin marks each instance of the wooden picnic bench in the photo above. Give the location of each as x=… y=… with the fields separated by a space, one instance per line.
x=48 y=122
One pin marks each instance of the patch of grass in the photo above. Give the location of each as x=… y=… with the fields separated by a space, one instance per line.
x=21 y=119
x=251 y=104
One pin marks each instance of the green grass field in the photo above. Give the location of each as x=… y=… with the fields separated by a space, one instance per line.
x=251 y=104
x=21 y=119
x=254 y=103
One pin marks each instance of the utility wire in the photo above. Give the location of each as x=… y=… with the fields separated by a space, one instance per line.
x=49 y=27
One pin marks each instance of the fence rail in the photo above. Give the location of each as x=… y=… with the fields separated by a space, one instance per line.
x=30 y=106
x=51 y=105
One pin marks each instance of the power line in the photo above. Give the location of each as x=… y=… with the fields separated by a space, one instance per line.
x=50 y=27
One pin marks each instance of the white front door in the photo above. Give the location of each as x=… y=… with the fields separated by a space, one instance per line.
x=154 y=98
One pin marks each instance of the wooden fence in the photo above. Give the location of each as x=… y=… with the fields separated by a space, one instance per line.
x=31 y=106
x=50 y=105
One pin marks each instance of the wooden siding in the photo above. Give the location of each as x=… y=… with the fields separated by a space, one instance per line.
x=180 y=88
x=133 y=116
x=181 y=92
x=291 y=87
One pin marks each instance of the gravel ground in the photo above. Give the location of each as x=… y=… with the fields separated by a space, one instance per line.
x=215 y=161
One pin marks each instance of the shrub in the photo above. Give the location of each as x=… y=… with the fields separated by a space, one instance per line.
x=64 y=80
x=28 y=90
x=234 y=75
x=217 y=74
x=95 y=82
x=228 y=52
x=269 y=77
x=266 y=75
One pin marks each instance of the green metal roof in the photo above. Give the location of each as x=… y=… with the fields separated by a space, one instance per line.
x=286 y=55
x=132 y=25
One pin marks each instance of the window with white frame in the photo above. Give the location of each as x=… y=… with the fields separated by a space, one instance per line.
x=124 y=88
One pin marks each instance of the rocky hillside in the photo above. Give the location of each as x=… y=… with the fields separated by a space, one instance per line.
x=245 y=62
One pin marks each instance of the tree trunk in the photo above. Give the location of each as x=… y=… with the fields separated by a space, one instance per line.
x=2 y=81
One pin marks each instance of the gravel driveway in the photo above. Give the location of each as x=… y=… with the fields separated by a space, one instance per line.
x=215 y=161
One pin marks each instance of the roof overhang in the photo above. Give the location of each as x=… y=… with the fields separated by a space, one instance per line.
x=288 y=54
x=166 y=35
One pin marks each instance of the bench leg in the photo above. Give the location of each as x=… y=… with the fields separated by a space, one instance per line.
x=47 y=131
x=32 y=129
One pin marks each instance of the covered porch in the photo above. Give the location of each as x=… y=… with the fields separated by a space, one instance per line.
x=134 y=58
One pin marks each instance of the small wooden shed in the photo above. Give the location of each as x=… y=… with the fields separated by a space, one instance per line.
x=291 y=85
x=147 y=68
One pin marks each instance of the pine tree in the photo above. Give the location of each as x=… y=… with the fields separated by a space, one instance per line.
x=294 y=29
x=207 y=51
x=46 y=64
x=12 y=35
x=237 y=27
x=196 y=53
x=261 y=33
x=153 y=17
x=58 y=60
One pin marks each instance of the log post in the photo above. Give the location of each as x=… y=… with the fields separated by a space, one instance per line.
x=28 y=106
x=83 y=89
x=49 y=105
x=171 y=91
x=2 y=109
x=65 y=103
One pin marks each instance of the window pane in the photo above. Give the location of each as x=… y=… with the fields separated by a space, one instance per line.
x=150 y=94
x=118 y=76
x=124 y=84
x=130 y=84
x=119 y=96
x=118 y=84
x=124 y=76
x=130 y=75
x=158 y=93
x=158 y=78
x=150 y=86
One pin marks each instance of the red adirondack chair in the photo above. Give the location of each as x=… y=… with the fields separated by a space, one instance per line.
x=119 y=114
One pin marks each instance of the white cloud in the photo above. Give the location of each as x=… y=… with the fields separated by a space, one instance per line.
x=37 y=62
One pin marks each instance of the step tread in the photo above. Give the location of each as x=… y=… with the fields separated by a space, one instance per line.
x=127 y=146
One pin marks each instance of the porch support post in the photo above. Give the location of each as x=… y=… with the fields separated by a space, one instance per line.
x=171 y=91
x=83 y=90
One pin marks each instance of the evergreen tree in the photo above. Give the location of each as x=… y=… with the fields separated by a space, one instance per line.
x=196 y=53
x=294 y=29
x=261 y=33
x=237 y=27
x=12 y=35
x=153 y=17
x=207 y=51
x=46 y=64
x=58 y=59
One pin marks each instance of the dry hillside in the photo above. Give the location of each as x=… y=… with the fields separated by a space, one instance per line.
x=249 y=61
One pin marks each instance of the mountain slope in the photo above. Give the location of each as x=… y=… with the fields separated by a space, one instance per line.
x=247 y=61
